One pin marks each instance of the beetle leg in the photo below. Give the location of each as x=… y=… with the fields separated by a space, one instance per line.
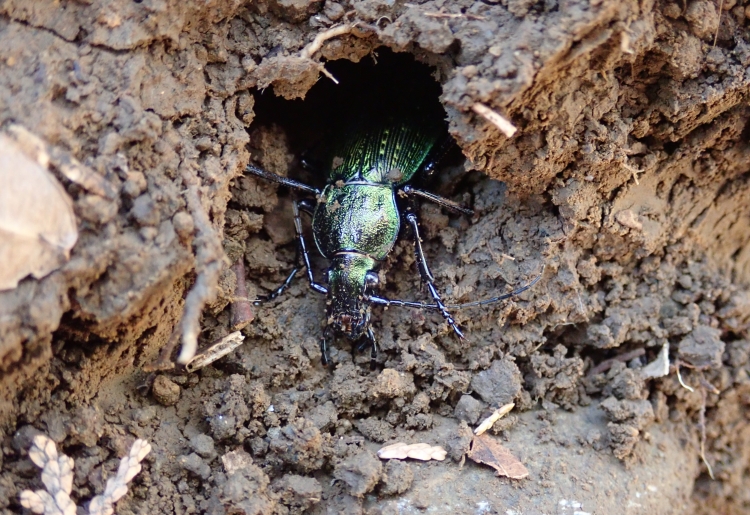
x=302 y=205
x=373 y=348
x=296 y=205
x=324 y=358
x=437 y=199
x=278 y=291
x=427 y=277
x=372 y=343
x=282 y=180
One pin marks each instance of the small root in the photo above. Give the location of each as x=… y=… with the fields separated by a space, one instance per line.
x=718 y=26
x=702 y=426
x=441 y=14
x=321 y=38
x=327 y=73
x=209 y=261
x=633 y=171
x=679 y=378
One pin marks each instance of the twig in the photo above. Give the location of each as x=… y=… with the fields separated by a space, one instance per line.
x=242 y=311
x=495 y=118
x=208 y=266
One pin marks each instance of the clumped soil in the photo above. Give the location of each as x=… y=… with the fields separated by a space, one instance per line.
x=628 y=180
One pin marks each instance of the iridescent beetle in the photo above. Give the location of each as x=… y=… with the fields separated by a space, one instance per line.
x=356 y=221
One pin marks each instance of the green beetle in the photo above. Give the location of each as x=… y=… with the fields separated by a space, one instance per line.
x=356 y=220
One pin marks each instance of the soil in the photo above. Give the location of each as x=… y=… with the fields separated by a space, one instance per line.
x=628 y=182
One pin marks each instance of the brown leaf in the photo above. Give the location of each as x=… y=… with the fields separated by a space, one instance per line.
x=485 y=449
x=37 y=225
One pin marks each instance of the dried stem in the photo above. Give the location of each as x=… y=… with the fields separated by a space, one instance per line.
x=209 y=256
x=242 y=313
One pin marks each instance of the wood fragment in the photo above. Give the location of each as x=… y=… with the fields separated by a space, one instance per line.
x=216 y=350
x=496 y=119
x=486 y=450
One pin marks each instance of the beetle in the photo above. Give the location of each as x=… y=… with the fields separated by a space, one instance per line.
x=356 y=220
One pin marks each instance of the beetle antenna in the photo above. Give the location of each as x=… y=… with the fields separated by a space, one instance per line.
x=421 y=305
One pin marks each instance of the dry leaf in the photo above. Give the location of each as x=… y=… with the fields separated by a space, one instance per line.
x=417 y=451
x=485 y=449
x=496 y=415
x=37 y=225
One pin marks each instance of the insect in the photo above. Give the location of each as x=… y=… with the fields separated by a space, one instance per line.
x=356 y=220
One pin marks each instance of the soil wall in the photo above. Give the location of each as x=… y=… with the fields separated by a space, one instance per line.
x=627 y=180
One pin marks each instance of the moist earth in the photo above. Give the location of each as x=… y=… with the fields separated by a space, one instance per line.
x=627 y=182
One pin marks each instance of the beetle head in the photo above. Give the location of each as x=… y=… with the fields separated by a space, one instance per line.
x=349 y=278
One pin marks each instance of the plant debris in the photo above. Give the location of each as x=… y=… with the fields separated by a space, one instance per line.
x=216 y=350
x=416 y=451
x=57 y=476
x=496 y=415
x=37 y=224
x=485 y=449
x=660 y=366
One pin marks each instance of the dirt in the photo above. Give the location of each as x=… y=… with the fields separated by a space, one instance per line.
x=627 y=181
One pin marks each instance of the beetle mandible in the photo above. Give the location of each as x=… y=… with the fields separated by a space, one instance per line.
x=356 y=221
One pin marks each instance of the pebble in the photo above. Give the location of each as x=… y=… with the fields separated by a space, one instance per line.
x=165 y=391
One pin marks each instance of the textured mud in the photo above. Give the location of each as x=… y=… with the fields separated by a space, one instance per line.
x=628 y=180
